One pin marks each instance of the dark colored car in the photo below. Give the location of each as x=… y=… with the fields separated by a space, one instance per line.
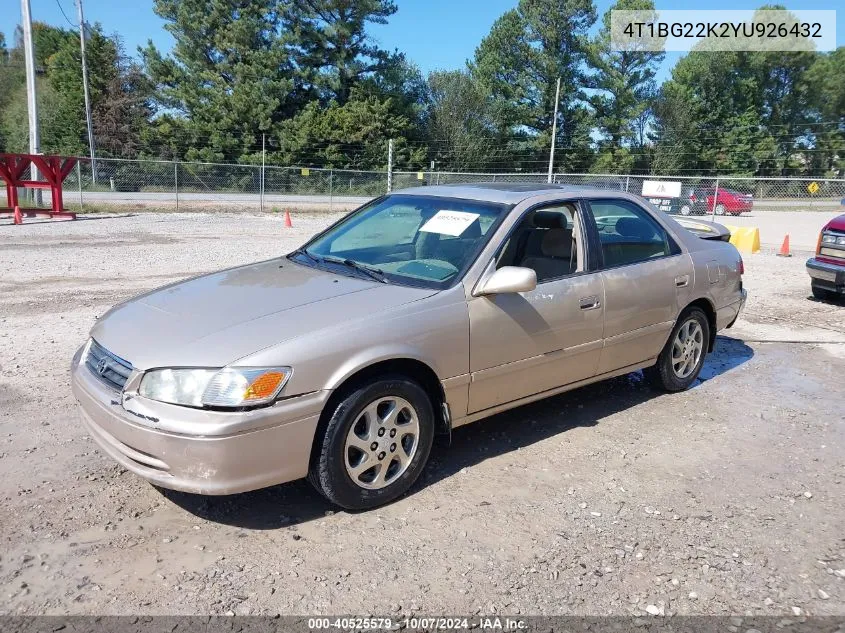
x=827 y=268
x=701 y=201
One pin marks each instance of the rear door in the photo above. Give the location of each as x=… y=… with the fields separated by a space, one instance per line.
x=645 y=276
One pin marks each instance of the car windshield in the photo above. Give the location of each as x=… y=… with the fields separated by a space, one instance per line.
x=415 y=240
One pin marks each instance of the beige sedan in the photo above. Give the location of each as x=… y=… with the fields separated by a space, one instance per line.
x=422 y=311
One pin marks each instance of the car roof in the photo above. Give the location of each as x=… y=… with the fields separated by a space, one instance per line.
x=500 y=192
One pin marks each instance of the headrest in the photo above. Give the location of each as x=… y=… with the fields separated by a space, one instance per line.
x=634 y=227
x=557 y=243
x=549 y=220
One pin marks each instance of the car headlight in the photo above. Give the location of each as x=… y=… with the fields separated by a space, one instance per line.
x=228 y=387
x=828 y=238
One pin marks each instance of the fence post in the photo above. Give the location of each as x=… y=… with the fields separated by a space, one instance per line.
x=715 y=198
x=331 y=190
x=79 y=182
x=263 y=160
x=176 y=182
x=389 y=165
x=627 y=182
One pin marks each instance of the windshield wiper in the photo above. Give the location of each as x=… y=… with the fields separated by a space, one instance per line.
x=372 y=273
x=306 y=253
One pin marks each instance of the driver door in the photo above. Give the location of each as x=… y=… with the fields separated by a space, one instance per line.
x=522 y=344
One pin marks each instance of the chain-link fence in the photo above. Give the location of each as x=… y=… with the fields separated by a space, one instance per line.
x=111 y=184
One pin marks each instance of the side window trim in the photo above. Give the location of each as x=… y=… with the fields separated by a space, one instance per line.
x=673 y=250
x=588 y=235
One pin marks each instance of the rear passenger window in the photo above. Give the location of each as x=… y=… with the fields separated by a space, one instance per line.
x=628 y=233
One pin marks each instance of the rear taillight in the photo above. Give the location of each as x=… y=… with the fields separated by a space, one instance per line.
x=740 y=267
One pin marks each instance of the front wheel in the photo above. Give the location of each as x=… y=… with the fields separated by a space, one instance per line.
x=375 y=444
x=686 y=209
x=720 y=209
x=682 y=357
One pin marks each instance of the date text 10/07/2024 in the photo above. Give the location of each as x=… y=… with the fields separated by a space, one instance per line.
x=421 y=623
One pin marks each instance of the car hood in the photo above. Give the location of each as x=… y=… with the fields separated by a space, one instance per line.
x=215 y=319
x=837 y=223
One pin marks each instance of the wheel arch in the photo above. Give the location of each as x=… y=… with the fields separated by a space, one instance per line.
x=706 y=306
x=407 y=366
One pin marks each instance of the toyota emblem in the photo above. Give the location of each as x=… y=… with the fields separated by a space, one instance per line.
x=102 y=366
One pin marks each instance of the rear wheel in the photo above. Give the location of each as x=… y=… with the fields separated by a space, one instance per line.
x=686 y=209
x=682 y=357
x=375 y=444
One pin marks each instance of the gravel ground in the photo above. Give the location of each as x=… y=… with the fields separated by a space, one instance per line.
x=612 y=499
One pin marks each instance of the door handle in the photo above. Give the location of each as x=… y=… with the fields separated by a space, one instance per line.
x=682 y=281
x=589 y=303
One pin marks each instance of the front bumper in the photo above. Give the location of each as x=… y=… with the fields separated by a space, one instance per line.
x=828 y=276
x=199 y=451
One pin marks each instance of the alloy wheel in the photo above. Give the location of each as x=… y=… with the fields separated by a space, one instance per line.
x=687 y=348
x=382 y=442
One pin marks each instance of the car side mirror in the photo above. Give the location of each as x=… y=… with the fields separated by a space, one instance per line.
x=509 y=279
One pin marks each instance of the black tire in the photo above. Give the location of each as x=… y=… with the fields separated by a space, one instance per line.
x=662 y=374
x=822 y=294
x=328 y=471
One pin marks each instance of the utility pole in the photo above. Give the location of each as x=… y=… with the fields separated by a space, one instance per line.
x=389 y=165
x=554 y=132
x=263 y=163
x=85 y=91
x=31 y=104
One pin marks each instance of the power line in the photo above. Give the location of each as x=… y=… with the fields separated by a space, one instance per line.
x=59 y=4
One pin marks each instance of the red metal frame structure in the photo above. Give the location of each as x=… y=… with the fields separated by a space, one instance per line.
x=54 y=169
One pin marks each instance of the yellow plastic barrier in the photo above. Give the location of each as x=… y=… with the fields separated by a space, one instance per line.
x=745 y=238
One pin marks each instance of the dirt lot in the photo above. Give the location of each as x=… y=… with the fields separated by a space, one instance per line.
x=726 y=499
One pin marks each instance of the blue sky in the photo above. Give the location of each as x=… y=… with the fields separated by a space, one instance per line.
x=435 y=34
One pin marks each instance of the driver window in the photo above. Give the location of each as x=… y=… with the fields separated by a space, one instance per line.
x=547 y=240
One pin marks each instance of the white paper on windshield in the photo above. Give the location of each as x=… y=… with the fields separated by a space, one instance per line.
x=449 y=222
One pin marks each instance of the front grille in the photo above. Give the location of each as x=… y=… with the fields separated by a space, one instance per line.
x=112 y=370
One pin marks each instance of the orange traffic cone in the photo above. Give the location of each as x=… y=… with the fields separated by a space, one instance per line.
x=18 y=215
x=784 y=249
x=288 y=223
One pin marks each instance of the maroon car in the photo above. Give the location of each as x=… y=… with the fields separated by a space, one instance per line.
x=706 y=200
x=827 y=268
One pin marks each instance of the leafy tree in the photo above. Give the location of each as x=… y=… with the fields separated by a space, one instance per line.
x=460 y=125
x=352 y=136
x=519 y=63
x=625 y=91
x=61 y=107
x=739 y=112
x=329 y=45
x=827 y=78
x=228 y=79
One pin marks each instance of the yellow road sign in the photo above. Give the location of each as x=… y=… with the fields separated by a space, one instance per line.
x=813 y=187
x=305 y=171
x=420 y=175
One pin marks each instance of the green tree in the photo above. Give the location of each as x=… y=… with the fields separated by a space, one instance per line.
x=460 y=124
x=112 y=78
x=519 y=62
x=737 y=112
x=353 y=135
x=827 y=80
x=228 y=80
x=624 y=94
x=329 y=45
